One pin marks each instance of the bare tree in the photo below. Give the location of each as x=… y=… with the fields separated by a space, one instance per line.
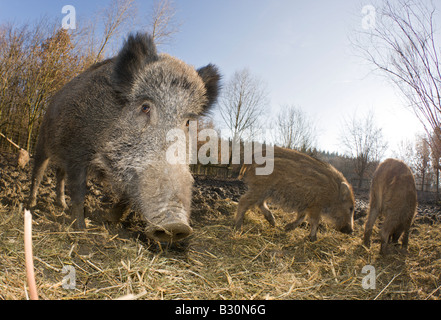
x=243 y=102
x=417 y=154
x=293 y=129
x=421 y=162
x=115 y=17
x=119 y=17
x=163 y=23
x=363 y=142
x=405 y=151
x=403 y=45
x=434 y=142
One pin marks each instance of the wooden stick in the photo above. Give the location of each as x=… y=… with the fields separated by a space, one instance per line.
x=10 y=141
x=30 y=275
x=386 y=286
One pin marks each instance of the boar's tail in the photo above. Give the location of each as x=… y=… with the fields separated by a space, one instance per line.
x=243 y=170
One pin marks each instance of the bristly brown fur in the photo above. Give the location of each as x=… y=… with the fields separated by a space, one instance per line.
x=303 y=184
x=138 y=51
x=113 y=119
x=211 y=77
x=393 y=195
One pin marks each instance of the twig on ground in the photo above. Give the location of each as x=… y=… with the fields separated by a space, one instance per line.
x=30 y=275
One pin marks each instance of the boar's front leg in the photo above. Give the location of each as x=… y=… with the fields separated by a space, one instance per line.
x=40 y=163
x=314 y=220
x=61 y=178
x=247 y=201
x=300 y=217
x=387 y=234
x=267 y=213
x=405 y=240
x=78 y=188
x=372 y=216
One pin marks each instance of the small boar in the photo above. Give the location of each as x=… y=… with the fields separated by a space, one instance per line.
x=393 y=195
x=303 y=184
x=22 y=158
x=112 y=120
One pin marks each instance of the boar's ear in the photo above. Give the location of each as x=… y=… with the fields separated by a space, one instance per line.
x=345 y=191
x=211 y=78
x=138 y=51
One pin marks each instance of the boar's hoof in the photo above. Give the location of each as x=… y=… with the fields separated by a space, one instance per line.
x=272 y=222
x=80 y=225
x=392 y=248
x=237 y=227
x=171 y=232
x=61 y=204
x=77 y=213
x=290 y=226
x=31 y=203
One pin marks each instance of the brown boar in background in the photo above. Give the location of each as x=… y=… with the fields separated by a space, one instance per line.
x=303 y=184
x=393 y=195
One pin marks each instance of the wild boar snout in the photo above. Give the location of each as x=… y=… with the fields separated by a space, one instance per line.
x=164 y=198
x=170 y=232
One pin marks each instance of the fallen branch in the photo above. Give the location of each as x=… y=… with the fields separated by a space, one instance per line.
x=10 y=141
x=23 y=155
x=386 y=286
x=30 y=275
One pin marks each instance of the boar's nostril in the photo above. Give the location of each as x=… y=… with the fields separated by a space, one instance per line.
x=170 y=232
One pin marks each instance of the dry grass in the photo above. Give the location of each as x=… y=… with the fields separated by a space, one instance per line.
x=215 y=263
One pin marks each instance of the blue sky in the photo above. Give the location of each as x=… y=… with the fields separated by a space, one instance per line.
x=300 y=49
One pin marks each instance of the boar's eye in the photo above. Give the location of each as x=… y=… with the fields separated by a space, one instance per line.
x=187 y=124
x=146 y=108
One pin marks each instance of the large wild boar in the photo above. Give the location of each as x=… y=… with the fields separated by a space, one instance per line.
x=112 y=120
x=393 y=195
x=303 y=184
